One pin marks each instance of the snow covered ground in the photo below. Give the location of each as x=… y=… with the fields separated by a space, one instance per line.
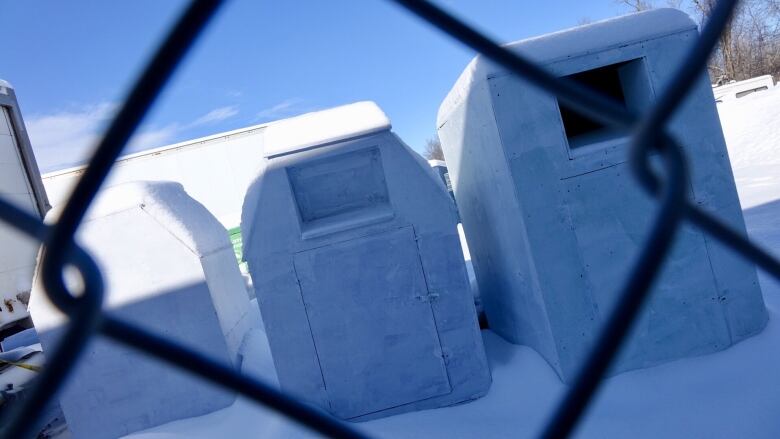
x=752 y=128
x=731 y=394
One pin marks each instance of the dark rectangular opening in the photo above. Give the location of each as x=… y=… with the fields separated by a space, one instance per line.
x=339 y=192
x=625 y=82
x=747 y=92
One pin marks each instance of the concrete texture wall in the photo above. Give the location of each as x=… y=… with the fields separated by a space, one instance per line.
x=554 y=221
x=170 y=269
x=356 y=262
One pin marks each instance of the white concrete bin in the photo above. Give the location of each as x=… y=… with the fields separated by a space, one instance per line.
x=554 y=217
x=169 y=267
x=352 y=245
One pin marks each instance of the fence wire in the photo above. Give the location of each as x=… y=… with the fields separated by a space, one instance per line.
x=648 y=136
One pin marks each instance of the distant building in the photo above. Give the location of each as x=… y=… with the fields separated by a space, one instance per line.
x=739 y=89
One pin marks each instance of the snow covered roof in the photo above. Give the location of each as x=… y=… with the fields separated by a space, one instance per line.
x=169 y=204
x=323 y=127
x=603 y=34
x=4 y=85
x=570 y=43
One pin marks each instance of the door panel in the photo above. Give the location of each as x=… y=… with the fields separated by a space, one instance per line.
x=611 y=218
x=373 y=328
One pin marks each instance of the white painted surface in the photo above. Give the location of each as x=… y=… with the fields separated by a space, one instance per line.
x=215 y=170
x=17 y=251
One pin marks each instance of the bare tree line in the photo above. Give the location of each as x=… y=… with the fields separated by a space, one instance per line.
x=748 y=47
x=433 y=149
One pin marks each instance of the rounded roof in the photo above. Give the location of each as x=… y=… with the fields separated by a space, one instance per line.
x=322 y=127
x=569 y=43
x=169 y=204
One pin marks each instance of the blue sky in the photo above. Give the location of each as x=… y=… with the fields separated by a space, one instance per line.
x=72 y=62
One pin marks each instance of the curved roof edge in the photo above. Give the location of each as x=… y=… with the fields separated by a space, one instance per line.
x=570 y=43
x=322 y=127
x=169 y=204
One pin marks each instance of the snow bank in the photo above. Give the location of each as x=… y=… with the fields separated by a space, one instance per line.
x=752 y=128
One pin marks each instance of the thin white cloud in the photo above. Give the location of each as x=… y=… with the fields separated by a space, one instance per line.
x=216 y=115
x=66 y=138
x=153 y=137
x=284 y=108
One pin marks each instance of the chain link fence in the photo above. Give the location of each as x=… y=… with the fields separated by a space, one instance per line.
x=648 y=136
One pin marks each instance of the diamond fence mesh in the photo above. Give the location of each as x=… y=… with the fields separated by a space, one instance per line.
x=83 y=308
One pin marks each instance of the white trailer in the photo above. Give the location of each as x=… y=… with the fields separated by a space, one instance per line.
x=215 y=170
x=20 y=184
x=740 y=89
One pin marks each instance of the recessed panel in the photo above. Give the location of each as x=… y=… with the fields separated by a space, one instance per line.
x=344 y=183
x=626 y=83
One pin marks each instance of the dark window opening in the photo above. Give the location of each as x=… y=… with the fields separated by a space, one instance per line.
x=747 y=92
x=625 y=82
